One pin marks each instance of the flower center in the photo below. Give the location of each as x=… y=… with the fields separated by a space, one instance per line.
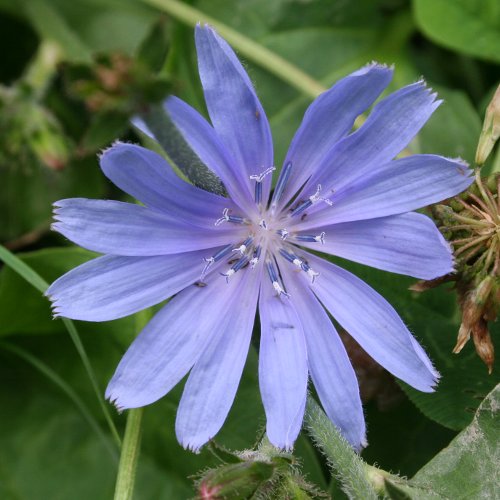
x=271 y=240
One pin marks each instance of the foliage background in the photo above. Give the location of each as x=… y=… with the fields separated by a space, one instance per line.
x=72 y=74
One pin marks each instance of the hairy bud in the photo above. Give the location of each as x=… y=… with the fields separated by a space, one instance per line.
x=491 y=129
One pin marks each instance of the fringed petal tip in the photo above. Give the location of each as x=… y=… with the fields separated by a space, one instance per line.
x=373 y=65
x=56 y=312
x=114 y=144
x=114 y=400
x=201 y=26
x=192 y=446
x=433 y=96
x=362 y=445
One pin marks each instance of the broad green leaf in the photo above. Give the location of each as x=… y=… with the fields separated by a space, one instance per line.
x=83 y=27
x=49 y=451
x=51 y=25
x=468 y=467
x=469 y=26
x=453 y=130
x=400 y=438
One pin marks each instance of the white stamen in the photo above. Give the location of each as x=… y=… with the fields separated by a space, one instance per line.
x=242 y=249
x=228 y=274
x=312 y=274
x=316 y=197
x=280 y=290
x=260 y=177
x=321 y=238
x=224 y=218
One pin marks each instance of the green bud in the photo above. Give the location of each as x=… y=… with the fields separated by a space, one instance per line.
x=46 y=139
x=491 y=129
x=234 y=481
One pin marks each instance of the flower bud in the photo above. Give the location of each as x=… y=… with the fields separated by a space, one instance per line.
x=491 y=129
x=475 y=304
x=48 y=142
x=484 y=346
x=234 y=480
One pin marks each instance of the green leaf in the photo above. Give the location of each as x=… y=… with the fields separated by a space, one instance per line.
x=153 y=50
x=51 y=25
x=453 y=130
x=41 y=425
x=85 y=27
x=38 y=187
x=469 y=26
x=434 y=319
x=468 y=467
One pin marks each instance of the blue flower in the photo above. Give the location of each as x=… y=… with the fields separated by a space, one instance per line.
x=339 y=192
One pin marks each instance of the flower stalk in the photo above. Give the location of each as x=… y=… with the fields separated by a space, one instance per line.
x=127 y=468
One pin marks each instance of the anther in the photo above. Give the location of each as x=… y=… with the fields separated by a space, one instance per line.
x=310 y=272
x=290 y=257
x=301 y=207
x=263 y=224
x=244 y=246
x=307 y=203
x=258 y=183
x=235 y=268
x=281 y=184
x=230 y=218
x=283 y=233
x=256 y=256
x=215 y=258
x=320 y=238
x=273 y=276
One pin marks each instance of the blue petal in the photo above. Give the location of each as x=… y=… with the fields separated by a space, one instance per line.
x=406 y=244
x=282 y=367
x=112 y=286
x=329 y=118
x=390 y=127
x=329 y=366
x=212 y=384
x=119 y=228
x=373 y=323
x=234 y=109
x=394 y=188
x=202 y=139
x=170 y=344
x=146 y=176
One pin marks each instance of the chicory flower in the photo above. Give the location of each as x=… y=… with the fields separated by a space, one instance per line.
x=339 y=192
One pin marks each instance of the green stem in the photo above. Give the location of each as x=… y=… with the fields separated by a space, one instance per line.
x=42 y=69
x=125 y=479
x=251 y=50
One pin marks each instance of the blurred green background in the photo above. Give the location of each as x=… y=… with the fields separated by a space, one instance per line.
x=72 y=75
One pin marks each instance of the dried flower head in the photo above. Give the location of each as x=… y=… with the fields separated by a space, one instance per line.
x=472 y=224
